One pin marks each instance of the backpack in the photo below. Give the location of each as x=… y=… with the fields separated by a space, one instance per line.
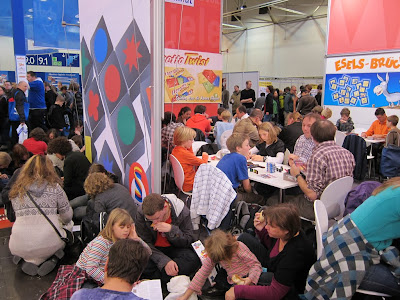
x=243 y=217
x=390 y=161
x=12 y=109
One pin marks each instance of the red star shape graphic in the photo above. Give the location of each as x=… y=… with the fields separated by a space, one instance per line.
x=94 y=101
x=132 y=53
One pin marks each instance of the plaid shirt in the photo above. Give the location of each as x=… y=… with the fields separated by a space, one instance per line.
x=327 y=163
x=303 y=148
x=167 y=134
x=243 y=263
x=346 y=257
x=69 y=279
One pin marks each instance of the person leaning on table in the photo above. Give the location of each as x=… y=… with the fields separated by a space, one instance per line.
x=327 y=163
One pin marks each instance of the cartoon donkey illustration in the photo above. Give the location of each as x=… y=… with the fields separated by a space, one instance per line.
x=382 y=89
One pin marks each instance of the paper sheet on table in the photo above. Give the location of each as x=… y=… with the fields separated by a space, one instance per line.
x=149 y=289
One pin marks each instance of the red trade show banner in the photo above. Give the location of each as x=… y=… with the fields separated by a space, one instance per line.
x=193 y=63
x=363 y=26
x=201 y=25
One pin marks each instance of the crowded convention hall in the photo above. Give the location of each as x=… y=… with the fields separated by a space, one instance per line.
x=199 y=149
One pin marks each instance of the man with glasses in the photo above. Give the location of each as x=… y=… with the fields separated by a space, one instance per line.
x=165 y=225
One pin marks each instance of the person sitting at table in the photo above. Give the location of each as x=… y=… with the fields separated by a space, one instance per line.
x=240 y=113
x=379 y=127
x=249 y=126
x=184 y=115
x=327 y=163
x=283 y=249
x=326 y=113
x=183 y=140
x=218 y=117
x=393 y=136
x=200 y=119
x=305 y=144
x=292 y=131
x=345 y=123
x=221 y=127
x=234 y=165
x=378 y=130
x=271 y=148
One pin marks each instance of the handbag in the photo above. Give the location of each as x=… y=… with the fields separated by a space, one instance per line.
x=69 y=240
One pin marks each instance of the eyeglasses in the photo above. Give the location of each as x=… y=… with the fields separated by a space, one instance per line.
x=159 y=218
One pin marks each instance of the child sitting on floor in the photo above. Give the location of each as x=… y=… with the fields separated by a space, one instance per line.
x=91 y=263
x=183 y=140
x=233 y=256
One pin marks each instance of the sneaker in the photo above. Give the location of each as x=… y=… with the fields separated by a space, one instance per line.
x=29 y=268
x=48 y=266
x=16 y=259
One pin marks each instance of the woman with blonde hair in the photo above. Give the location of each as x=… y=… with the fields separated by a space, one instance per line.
x=270 y=148
x=183 y=140
x=33 y=239
x=241 y=266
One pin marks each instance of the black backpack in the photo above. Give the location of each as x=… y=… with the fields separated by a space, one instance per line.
x=243 y=217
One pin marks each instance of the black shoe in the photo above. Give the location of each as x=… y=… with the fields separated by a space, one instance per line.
x=214 y=291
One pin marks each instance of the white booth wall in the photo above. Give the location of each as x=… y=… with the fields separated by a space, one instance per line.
x=282 y=50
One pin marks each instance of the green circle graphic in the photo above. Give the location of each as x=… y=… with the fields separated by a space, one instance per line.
x=126 y=125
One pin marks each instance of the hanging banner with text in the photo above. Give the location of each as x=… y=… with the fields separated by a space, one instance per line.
x=192 y=76
x=363 y=81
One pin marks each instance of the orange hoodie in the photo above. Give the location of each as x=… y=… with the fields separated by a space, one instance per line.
x=199 y=121
x=189 y=163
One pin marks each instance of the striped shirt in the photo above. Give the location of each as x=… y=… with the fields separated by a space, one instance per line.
x=94 y=256
x=304 y=148
x=327 y=163
x=243 y=263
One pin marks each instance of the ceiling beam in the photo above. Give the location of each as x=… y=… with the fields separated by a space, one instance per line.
x=258 y=6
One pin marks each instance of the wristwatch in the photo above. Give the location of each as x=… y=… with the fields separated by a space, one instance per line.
x=299 y=175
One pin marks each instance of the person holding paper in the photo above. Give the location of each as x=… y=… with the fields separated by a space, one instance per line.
x=126 y=261
x=241 y=265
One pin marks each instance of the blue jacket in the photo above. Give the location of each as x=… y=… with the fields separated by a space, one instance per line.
x=36 y=94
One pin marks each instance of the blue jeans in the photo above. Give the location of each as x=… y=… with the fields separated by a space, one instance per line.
x=379 y=279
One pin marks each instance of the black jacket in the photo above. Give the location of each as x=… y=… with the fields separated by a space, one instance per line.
x=356 y=145
x=56 y=116
x=20 y=99
x=269 y=104
x=76 y=167
x=290 y=134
